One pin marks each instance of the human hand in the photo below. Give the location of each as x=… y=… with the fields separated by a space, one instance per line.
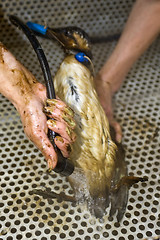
x=36 y=125
x=29 y=97
x=105 y=94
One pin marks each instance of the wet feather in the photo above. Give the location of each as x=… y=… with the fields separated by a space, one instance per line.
x=101 y=172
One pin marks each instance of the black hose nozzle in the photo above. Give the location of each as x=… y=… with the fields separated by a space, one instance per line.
x=64 y=166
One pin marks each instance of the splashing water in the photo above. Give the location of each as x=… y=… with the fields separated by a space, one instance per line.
x=79 y=184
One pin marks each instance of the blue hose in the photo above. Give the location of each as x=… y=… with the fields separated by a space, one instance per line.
x=37 y=27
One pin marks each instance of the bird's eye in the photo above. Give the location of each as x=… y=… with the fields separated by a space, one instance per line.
x=67 y=33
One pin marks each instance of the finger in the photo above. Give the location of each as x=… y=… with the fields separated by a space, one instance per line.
x=40 y=139
x=113 y=123
x=61 y=105
x=49 y=153
x=63 y=145
x=118 y=130
x=60 y=116
x=62 y=129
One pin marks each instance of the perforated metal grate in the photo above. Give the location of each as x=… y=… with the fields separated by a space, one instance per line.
x=25 y=215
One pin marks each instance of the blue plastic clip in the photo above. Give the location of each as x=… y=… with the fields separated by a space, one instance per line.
x=37 y=27
x=81 y=57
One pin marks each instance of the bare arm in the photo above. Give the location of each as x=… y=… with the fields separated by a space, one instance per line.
x=29 y=97
x=141 y=29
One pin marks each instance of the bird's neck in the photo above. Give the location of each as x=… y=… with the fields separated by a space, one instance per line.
x=81 y=57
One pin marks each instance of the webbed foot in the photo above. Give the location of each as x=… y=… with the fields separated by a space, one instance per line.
x=119 y=195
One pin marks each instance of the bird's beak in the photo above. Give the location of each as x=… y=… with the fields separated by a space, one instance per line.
x=70 y=39
x=59 y=35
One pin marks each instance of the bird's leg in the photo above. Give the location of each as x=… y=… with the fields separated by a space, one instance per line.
x=119 y=194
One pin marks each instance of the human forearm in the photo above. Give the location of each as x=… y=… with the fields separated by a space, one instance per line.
x=29 y=97
x=16 y=83
x=141 y=29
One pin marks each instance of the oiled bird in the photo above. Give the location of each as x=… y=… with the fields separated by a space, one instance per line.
x=104 y=177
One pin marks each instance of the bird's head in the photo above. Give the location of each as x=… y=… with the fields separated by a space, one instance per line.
x=72 y=38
